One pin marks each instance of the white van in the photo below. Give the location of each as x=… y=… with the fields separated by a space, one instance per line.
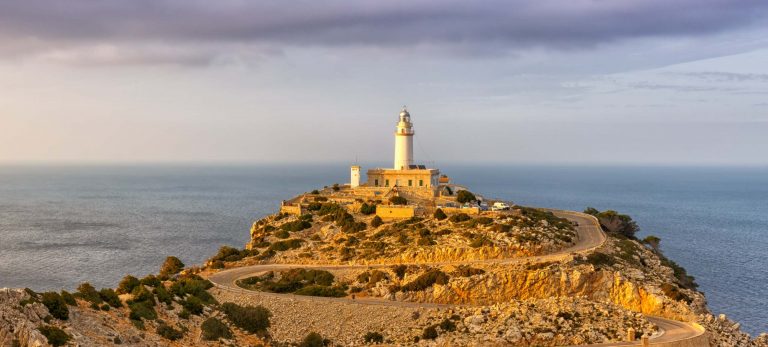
x=499 y=206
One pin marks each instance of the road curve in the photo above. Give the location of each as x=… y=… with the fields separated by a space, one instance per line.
x=590 y=237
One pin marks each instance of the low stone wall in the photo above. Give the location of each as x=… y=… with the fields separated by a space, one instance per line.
x=695 y=341
x=395 y=212
x=473 y=211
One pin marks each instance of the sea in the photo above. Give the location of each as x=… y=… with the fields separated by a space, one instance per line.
x=62 y=225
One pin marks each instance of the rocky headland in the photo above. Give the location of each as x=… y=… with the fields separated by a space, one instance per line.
x=333 y=272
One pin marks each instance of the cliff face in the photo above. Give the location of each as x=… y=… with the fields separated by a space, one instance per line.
x=502 y=284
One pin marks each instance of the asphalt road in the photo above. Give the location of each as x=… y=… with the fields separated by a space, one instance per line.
x=590 y=237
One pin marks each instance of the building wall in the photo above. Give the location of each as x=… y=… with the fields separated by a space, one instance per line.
x=393 y=212
x=354 y=180
x=390 y=178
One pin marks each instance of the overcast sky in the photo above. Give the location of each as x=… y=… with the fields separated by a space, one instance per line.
x=235 y=81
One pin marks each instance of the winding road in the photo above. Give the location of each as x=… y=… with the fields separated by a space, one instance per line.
x=590 y=237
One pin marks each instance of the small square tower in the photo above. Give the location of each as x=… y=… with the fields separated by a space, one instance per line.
x=354 y=179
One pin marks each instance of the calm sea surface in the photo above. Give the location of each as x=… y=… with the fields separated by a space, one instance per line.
x=60 y=226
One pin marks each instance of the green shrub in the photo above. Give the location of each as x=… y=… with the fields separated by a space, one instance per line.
x=335 y=187
x=465 y=196
x=171 y=266
x=439 y=214
x=314 y=340
x=367 y=209
x=214 y=329
x=104 y=307
x=376 y=222
x=459 y=217
x=373 y=337
x=150 y=280
x=142 y=294
x=480 y=241
x=68 y=298
x=297 y=225
x=193 y=304
x=430 y=332
x=163 y=295
x=184 y=314
x=317 y=290
x=249 y=318
x=141 y=310
x=191 y=284
x=86 y=291
x=56 y=305
x=168 y=332
x=127 y=284
x=282 y=234
x=398 y=200
x=110 y=297
x=314 y=192
x=285 y=245
x=599 y=259
x=426 y=280
x=56 y=337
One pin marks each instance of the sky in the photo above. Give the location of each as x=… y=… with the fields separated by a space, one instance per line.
x=652 y=82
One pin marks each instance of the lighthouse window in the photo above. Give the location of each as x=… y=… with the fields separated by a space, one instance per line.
x=421 y=183
x=386 y=183
x=376 y=183
x=410 y=183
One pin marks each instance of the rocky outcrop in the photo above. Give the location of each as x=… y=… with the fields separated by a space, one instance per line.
x=19 y=319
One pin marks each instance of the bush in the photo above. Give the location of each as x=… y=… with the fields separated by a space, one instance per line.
x=193 y=304
x=314 y=192
x=674 y=293
x=168 y=332
x=141 y=310
x=599 y=259
x=127 y=284
x=297 y=225
x=163 y=295
x=282 y=234
x=184 y=314
x=285 y=245
x=430 y=332
x=88 y=293
x=249 y=318
x=55 y=305
x=335 y=187
x=398 y=200
x=426 y=280
x=142 y=294
x=150 y=280
x=376 y=222
x=367 y=209
x=459 y=217
x=56 y=337
x=314 y=340
x=318 y=290
x=465 y=196
x=439 y=214
x=110 y=297
x=68 y=298
x=214 y=329
x=373 y=337
x=171 y=266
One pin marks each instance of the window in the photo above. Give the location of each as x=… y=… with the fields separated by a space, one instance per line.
x=410 y=183
x=376 y=182
x=421 y=183
x=386 y=183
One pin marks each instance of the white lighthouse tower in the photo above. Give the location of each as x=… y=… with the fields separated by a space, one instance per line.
x=404 y=141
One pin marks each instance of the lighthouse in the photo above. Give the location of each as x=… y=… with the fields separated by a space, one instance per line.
x=404 y=141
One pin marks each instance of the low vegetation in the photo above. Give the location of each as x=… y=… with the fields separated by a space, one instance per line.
x=426 y=280
x=253 y=319
x=56 y=337
x=297 y=281
x=213 y=329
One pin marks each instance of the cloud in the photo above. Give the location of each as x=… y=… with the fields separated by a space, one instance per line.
x=29 y=27
x=716 y=76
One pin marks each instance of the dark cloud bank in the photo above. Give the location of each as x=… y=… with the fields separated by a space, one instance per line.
x=34 y=25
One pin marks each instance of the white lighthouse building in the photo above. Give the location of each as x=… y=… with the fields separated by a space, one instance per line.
x=405 y=174
x=404 y=141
